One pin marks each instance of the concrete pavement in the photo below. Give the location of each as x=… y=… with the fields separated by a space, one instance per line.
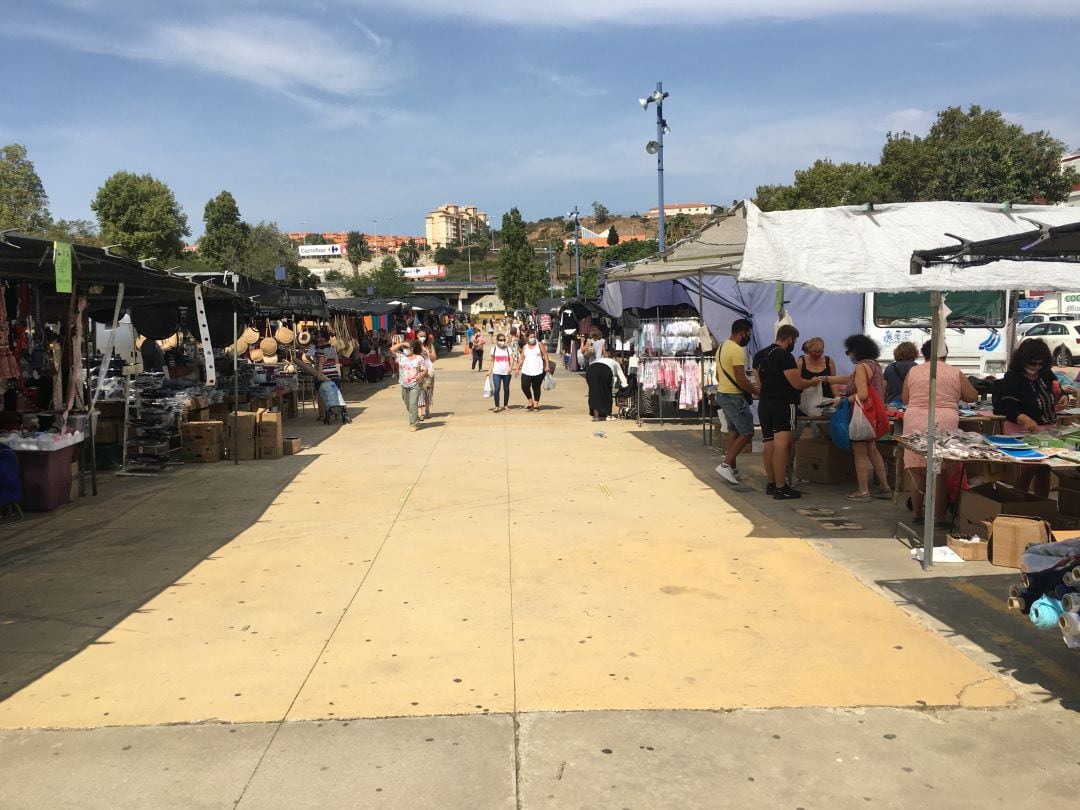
x=458 y=617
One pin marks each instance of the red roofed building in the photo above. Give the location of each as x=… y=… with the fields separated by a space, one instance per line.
x=691 y=209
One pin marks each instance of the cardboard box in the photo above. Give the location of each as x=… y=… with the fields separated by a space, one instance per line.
x=269 y=425
x=983 y=528
x=1014 y=533
x=199 y=403
x=200 y=415
x=292 y=445
x=1068 y=495
x=822 y=462
x=987 y=501
x=205 y=432
x=972 y=552
x=203 y=453
x=240 y=435
x=269 y=447
x=218 y=411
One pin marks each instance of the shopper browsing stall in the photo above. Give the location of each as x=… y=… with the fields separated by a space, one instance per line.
x=781 y=386
x=601 y=376
x=734 y=393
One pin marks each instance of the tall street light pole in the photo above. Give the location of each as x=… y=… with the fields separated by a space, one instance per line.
x=657 y=148
x=575 y=215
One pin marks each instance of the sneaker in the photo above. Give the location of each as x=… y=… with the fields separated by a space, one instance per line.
x=770 y=488
x=787 y=494
x=727 y=473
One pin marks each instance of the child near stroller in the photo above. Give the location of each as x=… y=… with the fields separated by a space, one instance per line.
x=333 y=403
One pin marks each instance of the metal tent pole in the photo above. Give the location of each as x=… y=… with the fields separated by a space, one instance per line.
x=931 y=434
x=701 y=363
x=236 y=373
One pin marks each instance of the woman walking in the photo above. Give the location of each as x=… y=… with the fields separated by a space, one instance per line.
x=500 y=370
x=864 y=352
x=412 y=368
x=426 y=341
x=477 y=345
x=532 y=366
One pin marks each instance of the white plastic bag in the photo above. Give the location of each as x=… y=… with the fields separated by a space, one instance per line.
x=860 y=429
x=487 y=387
x=549 y=382
x=810 y=401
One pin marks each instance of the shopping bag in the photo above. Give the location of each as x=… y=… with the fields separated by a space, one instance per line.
x=838 y=424
x=487 y=387
x=859 y=429
x=874 y=408
x=549 y=382
x=810 y=401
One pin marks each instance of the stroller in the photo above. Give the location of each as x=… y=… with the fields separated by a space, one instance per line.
x=333 y=403
x=626 y=399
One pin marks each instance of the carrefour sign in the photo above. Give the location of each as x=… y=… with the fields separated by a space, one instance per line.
x=306 y=251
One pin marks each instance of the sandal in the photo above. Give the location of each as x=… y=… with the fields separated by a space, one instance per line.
x=861 y=497
x=883 y=495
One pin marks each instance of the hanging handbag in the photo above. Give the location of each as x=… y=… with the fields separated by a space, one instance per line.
x=838 y=424
x=268 y=344
x=874 y=408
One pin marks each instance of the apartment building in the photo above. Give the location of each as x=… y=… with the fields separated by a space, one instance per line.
x=452 y=224
x=692 y=209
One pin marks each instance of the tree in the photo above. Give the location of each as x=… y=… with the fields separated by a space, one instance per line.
x=357 y=250
x=590 y=282
x=333 y=275
x=612 y=236
x=632 y=250
x=975 y=156
x=676 y=228
x=24 y=205
x=601 y=212
x=521 y=280
x=269 y=248
x=823 y=184
x=446 y=255
x=225 y=240
x=314 y=239
x=385 y=280
x=82 y=231
x=140 y=214
x=409 y=253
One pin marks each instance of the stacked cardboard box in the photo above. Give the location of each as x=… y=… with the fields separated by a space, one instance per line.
x=822 y=462
x=240 y=435
x=269 y=435
x=292 y=445
x=1009 y=518
x=1012 y=534
x=204 y=442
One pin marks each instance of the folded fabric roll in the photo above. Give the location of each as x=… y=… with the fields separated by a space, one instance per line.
x=1045 y=612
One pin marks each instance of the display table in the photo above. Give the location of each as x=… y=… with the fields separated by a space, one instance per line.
x=46 y=477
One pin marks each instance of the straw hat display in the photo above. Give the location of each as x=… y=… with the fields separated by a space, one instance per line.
x=304 y=338
x=250 y=334
x=255 y=354
x=269 y=359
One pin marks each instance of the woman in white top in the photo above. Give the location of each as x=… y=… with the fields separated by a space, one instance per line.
x=532 y=365
x=428 y=351
x=499 y=373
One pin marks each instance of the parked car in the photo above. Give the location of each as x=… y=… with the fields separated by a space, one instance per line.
x=1028 y=321
x=1063 y=338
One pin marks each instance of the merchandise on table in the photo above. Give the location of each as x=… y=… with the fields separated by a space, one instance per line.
x=1049 y=590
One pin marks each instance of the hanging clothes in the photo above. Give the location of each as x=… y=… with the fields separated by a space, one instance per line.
x=9 y=366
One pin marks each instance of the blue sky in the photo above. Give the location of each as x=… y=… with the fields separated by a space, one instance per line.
x=327 y=115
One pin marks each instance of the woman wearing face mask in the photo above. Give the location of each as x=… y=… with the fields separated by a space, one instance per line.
x=499 y=373
x=428 y=351
x=1028 y=397
x=532 y=365
x=412 y=368
x=815 y=363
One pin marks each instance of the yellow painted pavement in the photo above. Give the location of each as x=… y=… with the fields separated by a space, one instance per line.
x=492 y=563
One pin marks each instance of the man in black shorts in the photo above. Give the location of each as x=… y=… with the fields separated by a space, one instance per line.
x=781 y=384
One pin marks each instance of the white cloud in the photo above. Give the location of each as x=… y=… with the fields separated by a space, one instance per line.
x=912 y=120
x=573 y=13
x=565 y=82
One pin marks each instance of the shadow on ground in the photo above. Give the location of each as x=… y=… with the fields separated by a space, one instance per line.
x=68 y=577
x=974 y=608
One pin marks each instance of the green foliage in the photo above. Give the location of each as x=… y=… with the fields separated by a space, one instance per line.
x=601 y=212
x=677 y=227
x=314 y=239
x=409 y=253
x=140 y=214
x=385 y=279
x=632 y=251
x=590 y=282
x=269 y=248
x=973 y=156
x=521 y=280
x=612 y=236
x=446 y=255
x=357 y=250
x=225 y=239
x=333 y=275
x=81 y=231
x=24 y=205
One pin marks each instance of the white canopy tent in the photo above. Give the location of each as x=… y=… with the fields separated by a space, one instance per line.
x=872 y=249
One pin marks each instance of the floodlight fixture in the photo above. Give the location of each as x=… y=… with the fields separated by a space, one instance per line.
x=652 y=147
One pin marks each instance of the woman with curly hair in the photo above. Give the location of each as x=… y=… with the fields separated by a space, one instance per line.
x=864 y=352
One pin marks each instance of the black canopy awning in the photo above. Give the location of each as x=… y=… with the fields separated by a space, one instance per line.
x=269 y=299
x=1043 y=244
x=99 y=272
